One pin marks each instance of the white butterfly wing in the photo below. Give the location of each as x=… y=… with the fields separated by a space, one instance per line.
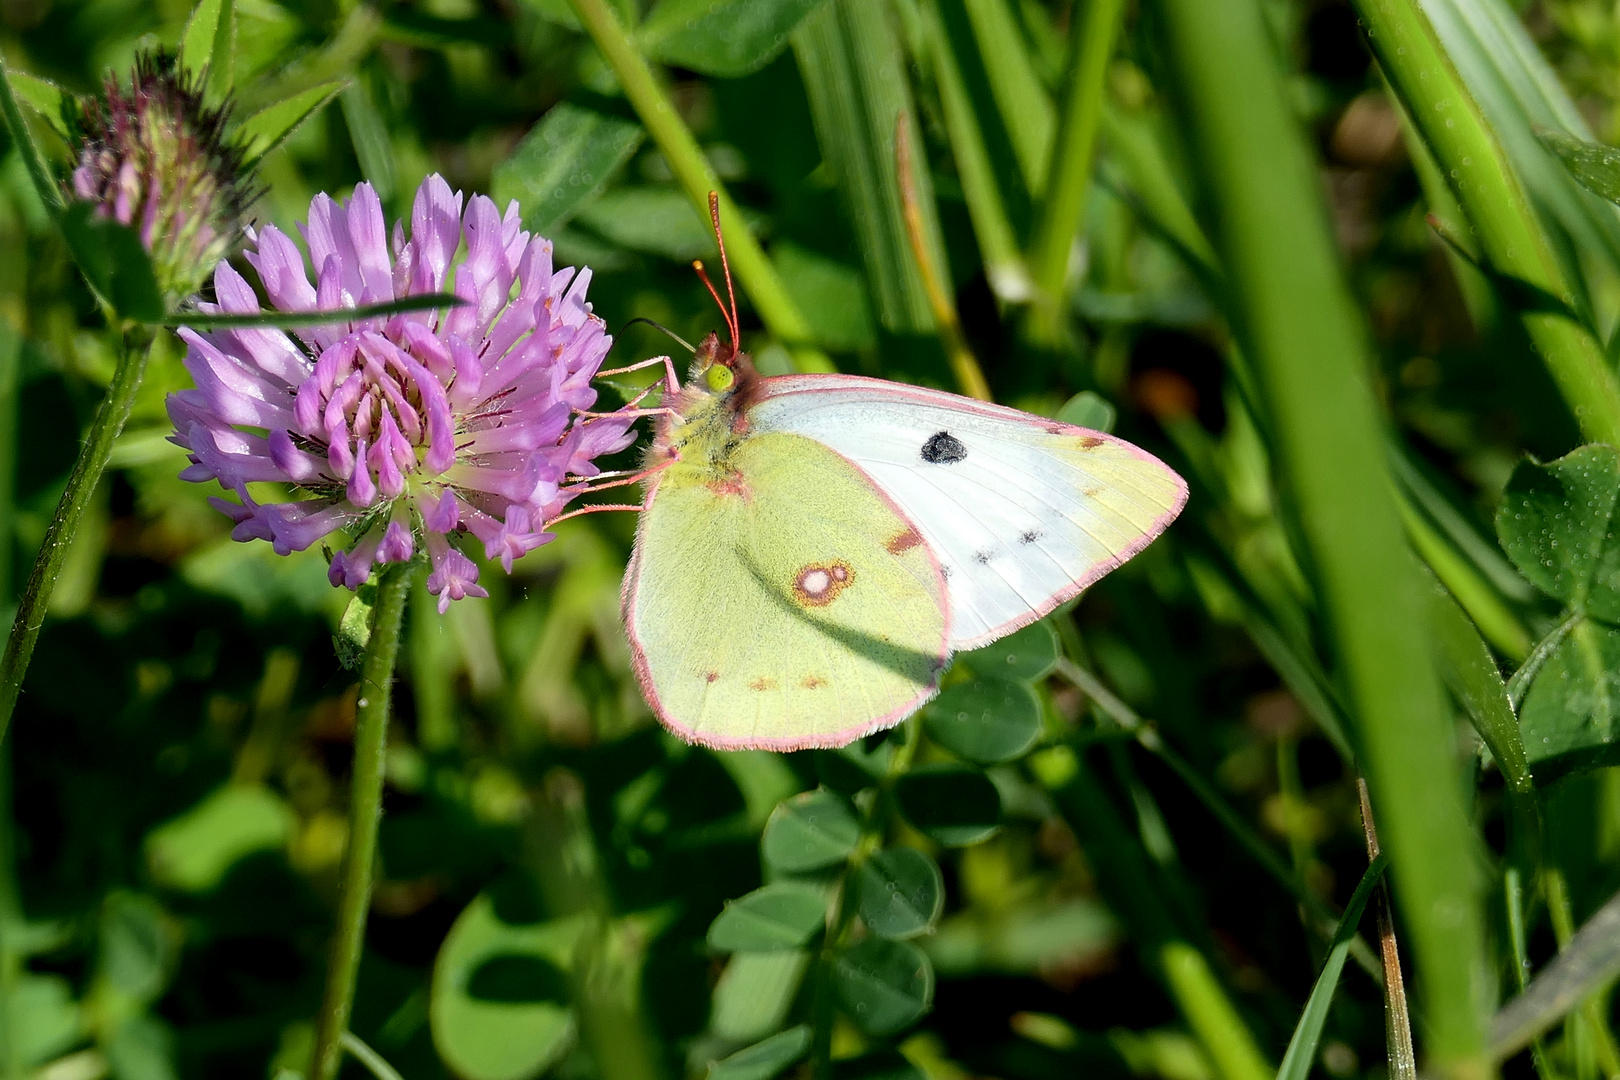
x=1021 y=512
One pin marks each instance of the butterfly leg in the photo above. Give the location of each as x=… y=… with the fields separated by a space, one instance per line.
x=671 y=383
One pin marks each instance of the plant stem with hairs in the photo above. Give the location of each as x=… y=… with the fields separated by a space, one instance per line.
x=365 y=815
x=136 y=347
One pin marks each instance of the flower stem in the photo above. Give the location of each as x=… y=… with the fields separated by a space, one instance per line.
x=754 y=270
x=81 y=485
x=365 y=815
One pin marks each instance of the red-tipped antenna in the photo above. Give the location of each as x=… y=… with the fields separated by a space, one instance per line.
x=733 y=324
x=725 y=265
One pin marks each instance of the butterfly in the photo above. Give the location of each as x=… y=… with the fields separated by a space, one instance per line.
x=811 y=549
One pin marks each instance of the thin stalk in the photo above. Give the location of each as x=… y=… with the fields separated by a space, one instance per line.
x=1147 y=736
x=1416 y=64
x=11 y=925
x=1591 y=1010
x=1513 y=898
x=374 y=1062
x=365 y=816
x=964 y=365
x=36 y=598
x=754 y=270
x=1211 y=1015
x=1069 y=172
x=1496 y=621
x=1397 y=1015
x=1300 y=328
x=843 y=912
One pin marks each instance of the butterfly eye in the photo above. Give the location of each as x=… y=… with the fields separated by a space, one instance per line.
x=719 y=377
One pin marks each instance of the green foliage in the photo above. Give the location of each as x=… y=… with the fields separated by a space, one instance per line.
x=1121 y=842
x=781 y=916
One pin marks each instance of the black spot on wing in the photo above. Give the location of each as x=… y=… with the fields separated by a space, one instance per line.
x=943 y=448
x=982 y=557
x=1029 y=537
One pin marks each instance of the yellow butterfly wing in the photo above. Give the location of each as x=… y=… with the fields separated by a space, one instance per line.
x=783 y=603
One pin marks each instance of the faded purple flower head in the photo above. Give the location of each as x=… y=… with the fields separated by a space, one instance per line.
x=413 y=428
x=156 y=158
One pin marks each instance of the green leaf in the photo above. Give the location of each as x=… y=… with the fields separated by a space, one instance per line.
x=496 y=1032
x=1594 y=165
x=193 y=852
x=883 y=985
x=728 y=38
x=369 y=134
x=950 y=805
x=208 y=25
x=1471 y=673
x=1088 y=409
x=1296 y=1063
x=1029 y=654
x=564 y=160
x=559 y=12
x=354 y=629
x=764 y=1059
x=655 y=220
x=272 y=125
x=47 y=1019
x=986 y=721
x=1571 y=715
x=114 y=262
x=852 y=768
x=754 y=994
x=831 y=294
x=899 y=892
x=779 y=916
x=1553 y=523
x=810 y=831
x=45 y=98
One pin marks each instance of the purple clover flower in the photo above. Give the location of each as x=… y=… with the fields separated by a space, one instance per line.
x=411 y=428
x=158 y=159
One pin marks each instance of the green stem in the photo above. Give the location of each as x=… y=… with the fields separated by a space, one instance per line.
x=365 y=815
x=1298 y=323
x=81 y=485
x=843 y=914
x=754 y=270
x=11 y=925
x=1591 y=1011
x=1070 y=169
x=1512 y=237
x=1211 y=1015
x=1513 y=897
x=374 y=1062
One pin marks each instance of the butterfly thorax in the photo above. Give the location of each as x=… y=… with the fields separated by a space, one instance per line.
x=707 y=423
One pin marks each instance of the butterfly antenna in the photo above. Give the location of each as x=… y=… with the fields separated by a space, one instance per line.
x=731 y=327
x=682 y=342
x=725 y=264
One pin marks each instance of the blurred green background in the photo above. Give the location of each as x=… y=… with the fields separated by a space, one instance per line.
x=173 y=814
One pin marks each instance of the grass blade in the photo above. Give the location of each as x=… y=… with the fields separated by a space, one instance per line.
x=203 y=320
x=1296 y=1062
x=850 y=58
x=1026 y=110
x=1064 y=195
x=1514 y=241
x=1587 y=964
x=1298 y=326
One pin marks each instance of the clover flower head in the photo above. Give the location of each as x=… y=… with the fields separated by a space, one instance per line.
x=408 y=430
x=156 y=158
